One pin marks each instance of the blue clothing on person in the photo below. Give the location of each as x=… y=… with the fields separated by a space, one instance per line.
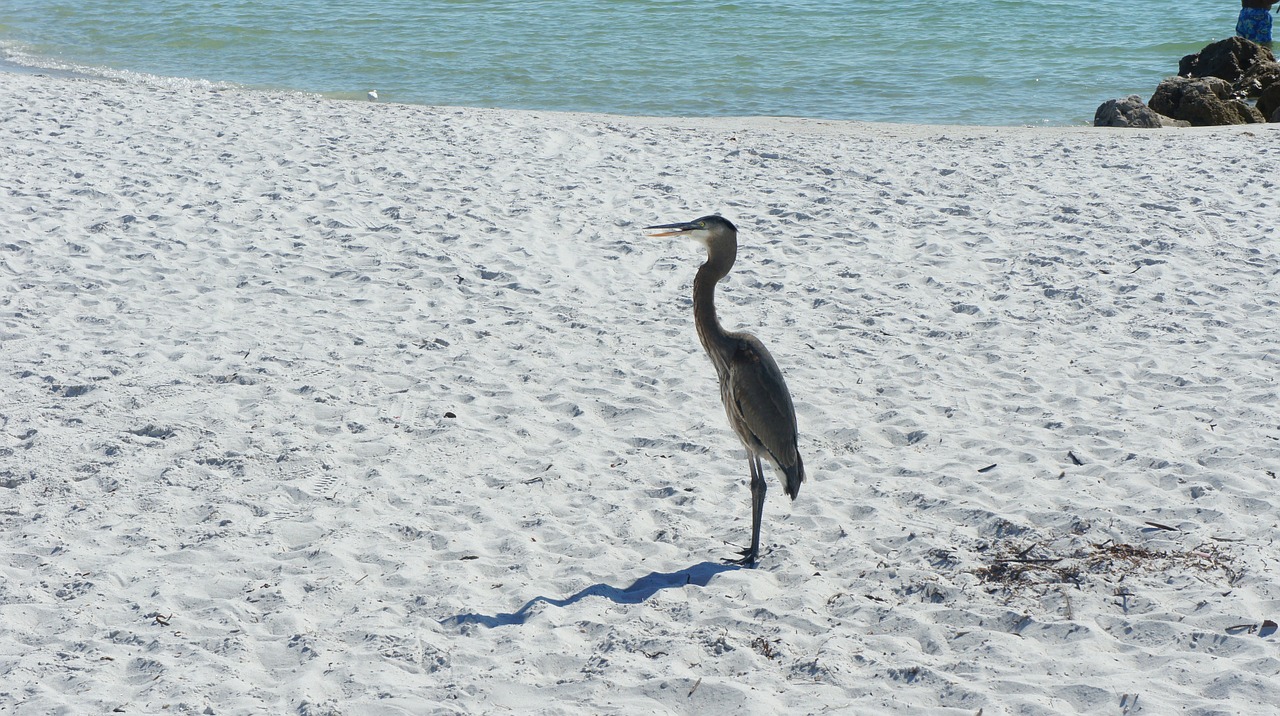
x=1254 y=24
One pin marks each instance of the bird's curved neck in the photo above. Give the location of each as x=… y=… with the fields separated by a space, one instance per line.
x=715 y=340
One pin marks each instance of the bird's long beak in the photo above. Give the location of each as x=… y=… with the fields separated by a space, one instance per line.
x=675 y=229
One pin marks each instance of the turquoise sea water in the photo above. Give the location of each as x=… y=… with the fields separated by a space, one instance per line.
x=993 y=62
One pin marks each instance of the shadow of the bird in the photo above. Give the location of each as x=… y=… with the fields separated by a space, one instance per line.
x=639 y=590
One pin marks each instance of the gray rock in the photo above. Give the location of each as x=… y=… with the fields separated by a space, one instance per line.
x=1132 y=112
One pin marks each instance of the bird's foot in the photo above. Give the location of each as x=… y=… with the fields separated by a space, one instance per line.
x=748 y=558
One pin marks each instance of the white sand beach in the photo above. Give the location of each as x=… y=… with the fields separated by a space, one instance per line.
x=318 y=407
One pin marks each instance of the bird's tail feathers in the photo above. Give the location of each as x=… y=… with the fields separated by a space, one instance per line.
x=795 y=476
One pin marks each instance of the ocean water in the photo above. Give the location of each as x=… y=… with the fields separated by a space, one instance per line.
x=990 y=62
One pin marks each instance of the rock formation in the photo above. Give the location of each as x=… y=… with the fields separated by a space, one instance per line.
x=1226 y=59
x=1269 y=103
x=1202 y=101
x=1257 y=79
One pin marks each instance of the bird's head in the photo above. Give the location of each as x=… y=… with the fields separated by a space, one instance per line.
x=711 y=231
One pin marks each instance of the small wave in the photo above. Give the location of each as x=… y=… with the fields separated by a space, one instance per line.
x=15 y=57
x=18 y=58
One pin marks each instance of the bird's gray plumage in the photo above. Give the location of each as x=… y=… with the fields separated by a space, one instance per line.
x=752 y=388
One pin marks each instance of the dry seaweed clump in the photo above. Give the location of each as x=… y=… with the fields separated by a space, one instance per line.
x=1026 y=565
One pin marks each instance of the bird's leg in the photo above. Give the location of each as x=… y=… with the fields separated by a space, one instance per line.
x=758 y=489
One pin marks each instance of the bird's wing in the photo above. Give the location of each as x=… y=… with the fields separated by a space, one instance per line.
x=762 y=402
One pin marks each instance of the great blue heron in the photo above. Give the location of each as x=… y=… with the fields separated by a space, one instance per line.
x=754 y=394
